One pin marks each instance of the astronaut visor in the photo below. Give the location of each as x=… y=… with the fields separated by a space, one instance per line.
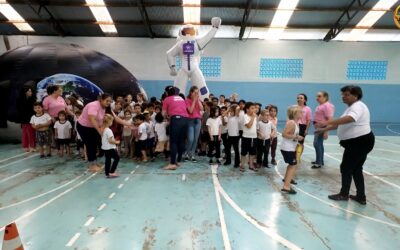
x=188 y=31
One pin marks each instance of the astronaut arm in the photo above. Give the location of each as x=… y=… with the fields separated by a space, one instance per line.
x=171 y=54
x=203 y=41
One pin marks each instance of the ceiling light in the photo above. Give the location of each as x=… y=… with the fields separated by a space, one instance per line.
x=281 y=19
x=103 y=17
x=12 y=15
x=191 y=11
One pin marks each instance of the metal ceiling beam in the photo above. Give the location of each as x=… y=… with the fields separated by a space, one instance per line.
x=145 y=18
x=165 y=23
x=245 y=18
x=52 y=21
x=344 y=19
x=208 y=5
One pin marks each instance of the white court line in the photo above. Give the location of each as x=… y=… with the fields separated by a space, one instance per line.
x=89 y=221
x=41 y=195
x=127 y=179
x=73 y=240
x=183 y=177
x=338 y=207
x=391 y=130
x=137 y=166
x=102 y=207
x=50 y=201
x=133 y=171
x=100 y=230
x=266 y=230
x=386 y=142
x=225 y=236
x=15 y=156
x=23 y=159
x=111 y=195
x=368 y=173
x=120 y=186
x=13 y=176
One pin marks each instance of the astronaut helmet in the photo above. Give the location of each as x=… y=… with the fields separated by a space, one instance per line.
x=188 y=31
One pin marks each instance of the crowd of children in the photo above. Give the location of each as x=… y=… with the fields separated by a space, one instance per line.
x=244 y=127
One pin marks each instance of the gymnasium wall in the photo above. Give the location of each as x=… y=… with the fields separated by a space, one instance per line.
x=316 y=66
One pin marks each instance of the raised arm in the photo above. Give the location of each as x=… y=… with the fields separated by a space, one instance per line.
x=203 y=41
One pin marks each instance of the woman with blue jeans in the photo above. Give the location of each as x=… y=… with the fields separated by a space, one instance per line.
x=323 y=113
x=194 y=108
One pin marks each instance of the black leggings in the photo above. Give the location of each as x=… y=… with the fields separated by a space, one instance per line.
x=91 y=139
x=111 y=154
x=274 y=145
x=263 y=150
x=233 y=141
x=354 y=157
x=177 y=135
x=214 y=144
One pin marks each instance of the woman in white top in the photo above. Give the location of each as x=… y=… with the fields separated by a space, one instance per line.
x=355 y=135
x=290 y=139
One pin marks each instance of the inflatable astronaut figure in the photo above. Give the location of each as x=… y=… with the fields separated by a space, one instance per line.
x=189 y=49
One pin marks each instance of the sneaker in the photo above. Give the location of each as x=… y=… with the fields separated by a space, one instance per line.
x=316 y=166
x=362 y=201
x=186 y=158
x=291 y=182
x=194 y=160
x=266 y=166
x=338 y=197
x=315 y=163
x=290 y=191
x=273 y=162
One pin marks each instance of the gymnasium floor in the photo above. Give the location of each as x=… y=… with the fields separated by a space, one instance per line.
x=58 y=205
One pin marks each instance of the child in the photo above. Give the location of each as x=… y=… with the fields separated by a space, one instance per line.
x=151 y=136
x=135 y=153
x=290 y=138
x=233 y=135
x=109 y=146
x=273 y=112
x=161 y=134
x=80 y=146
x=127 y=133
x=137 y=110
x=249 y=139
x=142 y=134
x=214 y=125
x=224 y=133
x=205 y=137
x=41 y=123
x=264 y=130
x=63 y=133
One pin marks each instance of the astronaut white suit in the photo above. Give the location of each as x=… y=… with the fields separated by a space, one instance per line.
x=189 y=49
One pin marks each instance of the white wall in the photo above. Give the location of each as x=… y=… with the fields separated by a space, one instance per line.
x=323 y=62
x=2 y=45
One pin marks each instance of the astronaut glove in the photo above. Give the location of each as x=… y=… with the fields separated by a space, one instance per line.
x=173 y=71
x=216 y=22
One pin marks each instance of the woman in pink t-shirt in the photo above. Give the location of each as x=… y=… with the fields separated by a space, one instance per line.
x=194 y=108
x=323 y=113
x=304 y=123
x=54 y=102
x=175 y=108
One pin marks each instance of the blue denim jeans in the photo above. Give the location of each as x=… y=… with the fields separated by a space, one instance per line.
x=319 y=148
x=194 y=126
x=177 y=136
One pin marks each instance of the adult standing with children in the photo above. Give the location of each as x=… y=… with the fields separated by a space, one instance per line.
x=323 y=113
x=175 y=108
x=304 y=123
x=357 y=139
x=25 y=112
x=194 y=108
x=54 y=102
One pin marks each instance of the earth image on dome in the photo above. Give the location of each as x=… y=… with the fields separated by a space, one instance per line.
x=71 y=84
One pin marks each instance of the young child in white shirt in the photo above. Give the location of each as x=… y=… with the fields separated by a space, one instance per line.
x=265 y=129
x=109 y=146
x=161 y=135
x=214 y=125
x=249 y=139
x=233 y=135
x=142 y=134
x=63 y=133
x=127 y=133
x=41 y=122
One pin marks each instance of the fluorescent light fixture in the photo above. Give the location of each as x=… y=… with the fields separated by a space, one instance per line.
x=281 y=19
x=191 y=11
x=379 y=9
x=12 y=15
x=103 y=17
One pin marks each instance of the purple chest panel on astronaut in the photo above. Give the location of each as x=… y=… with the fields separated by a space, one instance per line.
x=188 y=48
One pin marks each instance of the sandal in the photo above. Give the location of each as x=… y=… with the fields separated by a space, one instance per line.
x=291 y=182
x=290 y=191
x=255 y=169
x=241 y=169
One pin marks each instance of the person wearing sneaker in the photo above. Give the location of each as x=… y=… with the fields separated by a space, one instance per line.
x=290 y=138
x=357 y=139
x=323 y=113
x=194 y=108
x=214 y=124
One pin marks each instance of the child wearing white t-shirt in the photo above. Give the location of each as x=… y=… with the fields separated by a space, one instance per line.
x=161 y=135
x=233 y=135
x=249 y=139
x=41 y=123
x=214 y=125
x=142 y=134
x=265 y=129
x=63 y=133
x=109 y=146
